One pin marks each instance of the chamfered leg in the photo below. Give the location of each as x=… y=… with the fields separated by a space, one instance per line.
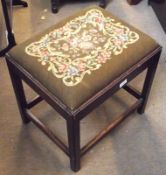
x=148 y=82
x=19 y=92
x=73 y=130
x=54 y=5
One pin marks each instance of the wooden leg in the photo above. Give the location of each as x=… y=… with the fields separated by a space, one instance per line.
x=148 y=82
x=19 y=93
x=102 y=3
x=20 y=2
x=54 y=5
x=73 y=130
x=10 y=35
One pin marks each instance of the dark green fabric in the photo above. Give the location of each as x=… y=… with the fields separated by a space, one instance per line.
x=74 y=96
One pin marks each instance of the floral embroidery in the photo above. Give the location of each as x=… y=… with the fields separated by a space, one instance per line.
x=81 y=46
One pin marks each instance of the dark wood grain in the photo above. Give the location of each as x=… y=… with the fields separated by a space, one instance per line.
x=19 y=93
x=48 y=132
x=148 y=82
x=134 y=92
x=34 y=101
x=10 y=35
x=73 y=130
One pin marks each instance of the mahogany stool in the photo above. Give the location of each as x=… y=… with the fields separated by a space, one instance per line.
x=76 y=65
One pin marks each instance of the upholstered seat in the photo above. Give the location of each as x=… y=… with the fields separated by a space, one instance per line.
x=82 y=54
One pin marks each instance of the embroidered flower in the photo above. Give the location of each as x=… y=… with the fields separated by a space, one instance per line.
x=98 y=20
x=53 y=59
x=118 y=41
x=119 y=31
x=81 y=67
x=44 y=52
x=103 y=57
x=62 y=68
x=72 y=70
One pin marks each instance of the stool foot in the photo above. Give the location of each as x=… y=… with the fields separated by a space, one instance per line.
x=73 y=130
x=102 y=3
x=140 y=110
x=54 y=5
x=75 y=166
x=54 y=10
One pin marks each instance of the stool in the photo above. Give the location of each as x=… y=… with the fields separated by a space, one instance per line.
x=78 y=64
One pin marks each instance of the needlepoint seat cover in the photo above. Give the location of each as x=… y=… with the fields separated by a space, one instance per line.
x=82 y=54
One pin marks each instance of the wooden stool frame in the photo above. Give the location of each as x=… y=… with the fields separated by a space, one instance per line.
x=73 y=118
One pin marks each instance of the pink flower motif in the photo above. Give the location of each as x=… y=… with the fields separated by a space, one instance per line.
x=62 y=68
x=106 y=54
x=103 y=57
x=44 y=52
x=118 y=42
x=98 y=19
x=81 y=67
x=119 y=31
x=52 y=59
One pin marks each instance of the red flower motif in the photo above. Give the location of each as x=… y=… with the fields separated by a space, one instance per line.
x=52 y=59
x=98 y=20
x=101 y=59
x=44 y=52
